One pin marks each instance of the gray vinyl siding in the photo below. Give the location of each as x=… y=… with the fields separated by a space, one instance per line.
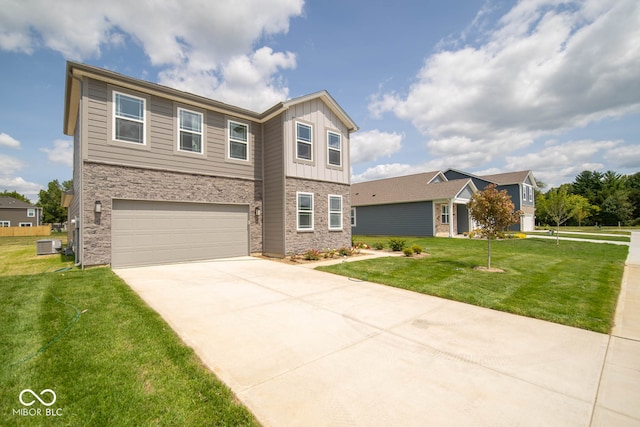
x=466 y=193
x=478 y=182
x=161 y=139
x=515 y=193
x=403 y=219
x=322 y=119
x=274 y=182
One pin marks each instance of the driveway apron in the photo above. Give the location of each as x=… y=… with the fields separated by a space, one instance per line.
x=301 y=347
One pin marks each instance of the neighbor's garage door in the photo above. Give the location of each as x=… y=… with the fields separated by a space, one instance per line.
x=146 y=233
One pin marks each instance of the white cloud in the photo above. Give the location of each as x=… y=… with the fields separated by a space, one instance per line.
x=626 y=156
x=383 y=171
x=10 y=165
x=199 y=45
x=8 y=141
x=26 y=188
x=62 y=152
x=547 y=68
x=372 y=145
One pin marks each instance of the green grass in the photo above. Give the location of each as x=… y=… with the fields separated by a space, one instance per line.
x=617 y=238
x=109 y=358
x=575 y=283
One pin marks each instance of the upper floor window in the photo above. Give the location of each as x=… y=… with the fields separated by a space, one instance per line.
x=305 y=211
x=128 y=118
x=190 y=135
x=31 y=213
x=527 y=193
x=238 y=141
x=334 y=145
x=445 y=214
x=335 y=212
x=304 y=141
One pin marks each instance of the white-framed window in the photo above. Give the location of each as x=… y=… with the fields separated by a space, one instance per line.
x=304 y=141
x=335 y=212
x=531 y=193
x=334 y=148
x=527 y=193
x=305 y=211
x=190 y=131
x=128 y=118
x=353 y=217
x=5 y=223
x=445 y=214
x=25 y=224
x=238 y=140
x=31 y=213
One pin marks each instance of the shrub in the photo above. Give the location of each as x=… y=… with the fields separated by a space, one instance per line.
x=344 y=251
x=378 y=245
x=397 y=245
x=312 y=255
x=330 y=253
x=519 y=236
x=407 y=251
x=417 y=249
x=361 y=245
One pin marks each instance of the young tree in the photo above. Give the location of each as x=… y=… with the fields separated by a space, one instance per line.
x=582 y=209
x=559 y=206
x=494 y=212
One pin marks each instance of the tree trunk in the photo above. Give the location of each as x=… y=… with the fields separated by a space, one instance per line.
x=558 y=234
x=488 y=253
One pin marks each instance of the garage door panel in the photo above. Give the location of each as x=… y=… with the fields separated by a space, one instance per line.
x=145 y=233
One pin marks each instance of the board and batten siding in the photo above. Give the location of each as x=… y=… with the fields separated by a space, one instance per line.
x=402 y=219
x=274 y=182
x=160 y=152
x=320 y=116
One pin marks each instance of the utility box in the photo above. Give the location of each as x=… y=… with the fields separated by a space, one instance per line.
x=48 y=246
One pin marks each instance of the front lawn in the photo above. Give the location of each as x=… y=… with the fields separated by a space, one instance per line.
x=109 y=358
x=575 y=283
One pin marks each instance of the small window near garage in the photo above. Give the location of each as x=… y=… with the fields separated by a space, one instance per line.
x=5 y=223
x=31 y=213
x=353 y=217
x=25 y=224
x=304 y=141
x=190 y=135
x=445 y=214
x=334 y=146
x=128 y=118
x=335 y=212
x=305 y=211
x=238 y=140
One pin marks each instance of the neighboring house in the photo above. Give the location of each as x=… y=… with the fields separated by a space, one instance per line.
x=519 y=186
x=163 y=176
x=16 y=213
x=425 y=204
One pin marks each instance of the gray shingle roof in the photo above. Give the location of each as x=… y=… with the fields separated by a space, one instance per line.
x=10 y=202
x=508 y=178
x=403 y=189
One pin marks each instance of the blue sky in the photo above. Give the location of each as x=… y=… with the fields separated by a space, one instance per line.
x=484 y=86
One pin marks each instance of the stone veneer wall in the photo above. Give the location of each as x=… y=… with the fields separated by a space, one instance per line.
x=442 y=230
x=321 y=237
x=106 y=182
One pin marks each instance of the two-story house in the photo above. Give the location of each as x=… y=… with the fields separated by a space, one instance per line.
x=16 y=213
x=162 y=176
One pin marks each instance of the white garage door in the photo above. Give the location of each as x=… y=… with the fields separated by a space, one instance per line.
x=146 y=233
x=528 y=223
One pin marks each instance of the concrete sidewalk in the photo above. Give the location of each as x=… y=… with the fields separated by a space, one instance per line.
x=300 y=347
x=618 y=401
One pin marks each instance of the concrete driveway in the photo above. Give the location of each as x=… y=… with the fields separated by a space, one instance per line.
x=305 y=348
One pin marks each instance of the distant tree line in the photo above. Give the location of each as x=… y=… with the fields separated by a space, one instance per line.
x=593 y=198
x=49 y=200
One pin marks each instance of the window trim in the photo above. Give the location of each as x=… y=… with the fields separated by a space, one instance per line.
x=310 y=143
x=25 y=224
x=111 y=119
x=330 y=212
x=299 y=211
x=247 y=142
x=115 y=116
x=444 y=213
x=5 y=223
x=329 y=149
x=179 y=130
x=31 y=212
x=354 y=217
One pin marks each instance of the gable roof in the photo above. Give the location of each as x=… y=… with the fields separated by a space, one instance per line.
x=11 y=203
x=405 y=189
x=75 y=72
x=509 y=178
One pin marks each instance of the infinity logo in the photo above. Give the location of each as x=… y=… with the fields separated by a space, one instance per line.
x=42 y=393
